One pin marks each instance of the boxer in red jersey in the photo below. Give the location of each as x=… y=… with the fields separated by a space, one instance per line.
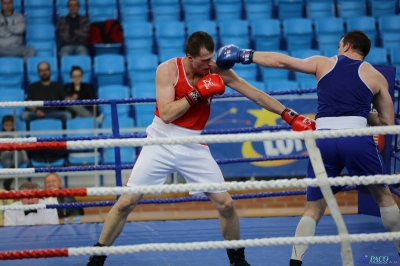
x=184 y=90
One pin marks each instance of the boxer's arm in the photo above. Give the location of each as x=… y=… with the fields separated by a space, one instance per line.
x=232 y=80
x=383 y=104
x=169 y=108
x=278 y=60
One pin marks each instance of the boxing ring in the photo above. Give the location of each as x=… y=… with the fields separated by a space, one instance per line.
x=268 y=240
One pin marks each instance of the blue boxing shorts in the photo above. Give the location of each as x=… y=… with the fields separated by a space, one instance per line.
x=360 y=156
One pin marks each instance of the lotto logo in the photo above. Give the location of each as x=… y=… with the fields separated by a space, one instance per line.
x=208 y=83
x=227 y=51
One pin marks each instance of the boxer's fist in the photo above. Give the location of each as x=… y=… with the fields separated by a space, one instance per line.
x=207 y=86
x=298 y=122
x=230 y=54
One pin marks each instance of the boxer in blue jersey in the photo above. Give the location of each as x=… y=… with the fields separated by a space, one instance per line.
x=347 y=86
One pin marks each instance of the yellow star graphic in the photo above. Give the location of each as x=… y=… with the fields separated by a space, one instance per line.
x=264 y=117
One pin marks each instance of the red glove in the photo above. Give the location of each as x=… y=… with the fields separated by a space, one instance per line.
x=298 y=122
x=207 y=86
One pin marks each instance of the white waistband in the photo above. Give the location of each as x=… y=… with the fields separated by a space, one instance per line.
x=172 y=129
x=341 y=122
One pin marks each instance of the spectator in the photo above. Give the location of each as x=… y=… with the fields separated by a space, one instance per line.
x=53 y=181
x=9 y=158
x=4 y=202
x=78 y=90
x=73 y=32
x=12 y=28
x=45 y=90
x=31 y=217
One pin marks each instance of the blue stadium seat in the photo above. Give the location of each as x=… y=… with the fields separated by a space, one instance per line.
x=78 y=156
x=228 y=10
x=124 y=122
x=144 y=90
x=109 y=69
x=165 y=10
x=329 y=52
x=31 y=67
x=42 y=38
x=39 y=15
x=274 y=73
x=127 y=3
x=351 y=8
x=383 y=7
x=365 y=24
x=46 y=124
x=280 y=85
x=395 y=60
x=62 y=8
x=196 y=10
x=328 y=32
x=164 y=56
x=258 y=10
x=309 y=84
x=266 y=34
x=298 y=33
x=320 y=10
x=114 y=92
x=208 y=26
x=102 y=13
x=258 y=84
x=101 y=3
x=12 y=95
x=84 y=61
x=234 y=32
x=144 y=114
x=142 y=67
x=11 y=72
x=170 y=36
x=138 y=37
x=247 y=72
x=289 y=8
x=134 y=13
x=17 y=6
x=377 y=56
x=389 y=29
x=127 y=155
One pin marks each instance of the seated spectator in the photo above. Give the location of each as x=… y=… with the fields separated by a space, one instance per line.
x=31 y=217
x=53 y=181
x=73 y=32
x=9 y=158
x=12 y=28
x=78 y=90
x=4 y=202
x=45 y=90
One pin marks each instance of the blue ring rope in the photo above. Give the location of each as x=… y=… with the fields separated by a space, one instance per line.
x=130 y=166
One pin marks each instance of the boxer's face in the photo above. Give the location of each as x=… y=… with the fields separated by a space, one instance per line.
x=203 y=62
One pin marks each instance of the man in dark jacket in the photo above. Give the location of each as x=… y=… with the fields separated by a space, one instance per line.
x=53 y=181
x=73 y=32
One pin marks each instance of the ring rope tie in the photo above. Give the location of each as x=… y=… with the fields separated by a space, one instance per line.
x=258 y=242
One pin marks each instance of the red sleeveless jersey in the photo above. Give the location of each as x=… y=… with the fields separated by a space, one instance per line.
x=196 y=117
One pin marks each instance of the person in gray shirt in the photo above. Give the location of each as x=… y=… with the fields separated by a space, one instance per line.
x=12 y=28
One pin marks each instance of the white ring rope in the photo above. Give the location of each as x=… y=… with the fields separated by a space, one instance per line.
x=248 y=185
x=220 y=138
x=22 y=104
x=258 y=242
x=23 y=207
x=323 y=182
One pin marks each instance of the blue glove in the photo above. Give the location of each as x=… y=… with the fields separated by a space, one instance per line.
x=230 y=54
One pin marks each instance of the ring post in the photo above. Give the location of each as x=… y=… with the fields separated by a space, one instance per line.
x=115 y=130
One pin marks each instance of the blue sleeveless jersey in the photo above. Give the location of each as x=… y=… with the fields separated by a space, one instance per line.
x=341 y=92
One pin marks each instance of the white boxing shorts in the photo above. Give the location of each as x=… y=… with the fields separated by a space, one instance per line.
x=156 y=162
